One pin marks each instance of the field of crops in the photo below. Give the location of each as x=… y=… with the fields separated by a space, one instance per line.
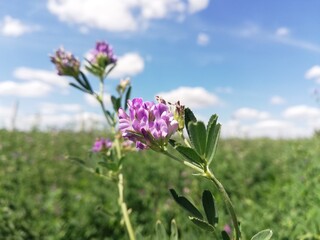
x=44 y=195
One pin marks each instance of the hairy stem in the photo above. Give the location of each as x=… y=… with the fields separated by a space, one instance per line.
x=227 y=201
x=124 y=209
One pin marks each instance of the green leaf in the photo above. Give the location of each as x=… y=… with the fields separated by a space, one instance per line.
x=80 y=88
x=110 y=69
x=186 y=204
x=213 y=132
x=197 y=134
x=202 y=224
x=225 y=235
x=161 y=233
x=86 y=82
x=127 y=97
x=209 y=207
x=188 y=117
x=174 y=230
x=116 y=102
x=190 y=154
x=263 y=235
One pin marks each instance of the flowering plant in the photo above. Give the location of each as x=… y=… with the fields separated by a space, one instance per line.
x=159 y=127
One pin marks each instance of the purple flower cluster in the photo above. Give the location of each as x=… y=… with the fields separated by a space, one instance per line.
x=148 y=124
x=102 y=55
x=101 y=144
x=65 y=62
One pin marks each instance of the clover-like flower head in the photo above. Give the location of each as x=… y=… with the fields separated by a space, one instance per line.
x=149 y=125
x=102 y=55
x=65 y=62
x=101 y=144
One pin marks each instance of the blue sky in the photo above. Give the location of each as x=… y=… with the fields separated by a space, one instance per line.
x=255 y=63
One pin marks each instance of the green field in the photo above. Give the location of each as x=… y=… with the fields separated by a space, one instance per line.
x=43 y=195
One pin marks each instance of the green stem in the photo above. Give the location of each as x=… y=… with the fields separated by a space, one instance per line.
x=227 y=201
x=124 y=209
x=184 y=139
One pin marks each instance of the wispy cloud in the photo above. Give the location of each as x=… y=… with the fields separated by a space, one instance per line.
x=281 y=35
x=12 y=27
x=282 y=31
x=203 y=39
x=277 y=100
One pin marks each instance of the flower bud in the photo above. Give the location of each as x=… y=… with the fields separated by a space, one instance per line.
x=124 y=83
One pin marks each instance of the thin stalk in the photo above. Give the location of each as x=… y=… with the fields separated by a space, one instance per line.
x=194 y=167
x=227 y=201
x=100 y=98
x=184 y=139
x=124 y=209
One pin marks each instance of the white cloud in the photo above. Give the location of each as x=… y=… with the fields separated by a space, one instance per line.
x=122 y=15
x=282 y=32
x=313 y=73
x=249 y=114
x=277 y=100
x=13 y=27
x=158 y=9
x=92 y=101
x=79 y=121
x=203 y=39
x=193 y=97
x=28 y=89
x=272 y=128
x=128 y=65
x=302 y=112
x=197 y=5
x=53 y=108
x=30 y=74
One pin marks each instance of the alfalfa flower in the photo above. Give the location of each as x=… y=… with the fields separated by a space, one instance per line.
x=147 y=124
x=177 y=109
x=101 y=144
x=66 y=63
x=100 y=57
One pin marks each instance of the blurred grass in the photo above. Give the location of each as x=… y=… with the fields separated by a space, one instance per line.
x=43 y=195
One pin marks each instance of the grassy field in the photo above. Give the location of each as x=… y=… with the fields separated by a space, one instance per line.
x=273 y=184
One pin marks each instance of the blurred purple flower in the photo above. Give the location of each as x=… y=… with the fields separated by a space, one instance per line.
x=148 y=124
x=102 y=55
x=101 y=144
x=65 y=62
x=227 y=229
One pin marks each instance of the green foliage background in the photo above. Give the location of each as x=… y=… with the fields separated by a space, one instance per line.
x=273 y=184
